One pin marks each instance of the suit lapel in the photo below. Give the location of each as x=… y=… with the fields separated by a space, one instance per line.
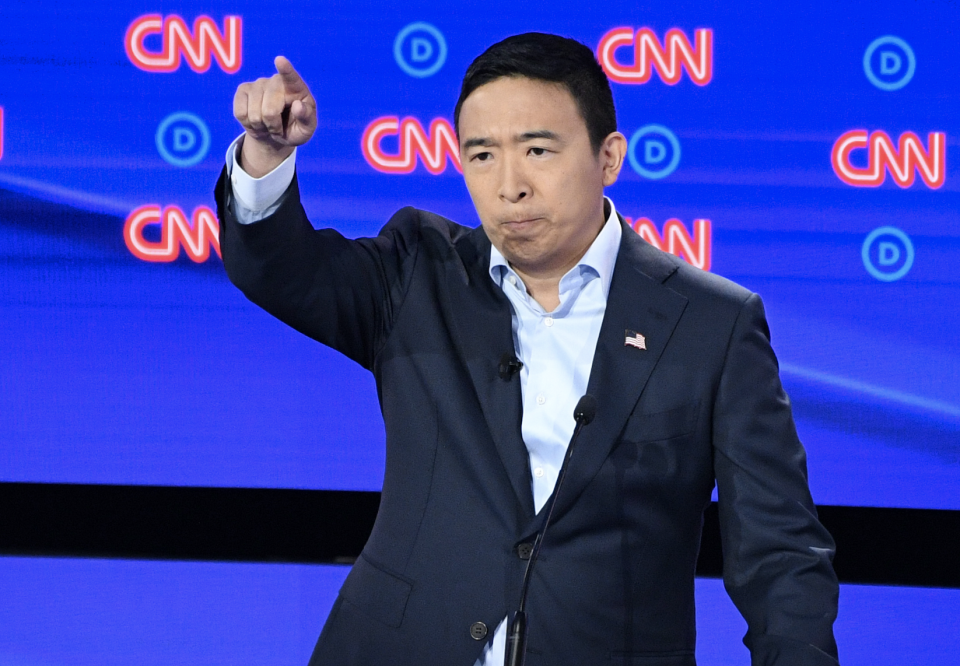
x=637 y=302
x=482 y=318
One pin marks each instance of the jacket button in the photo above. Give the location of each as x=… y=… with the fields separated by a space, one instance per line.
x=478 y=631
x=524 y=550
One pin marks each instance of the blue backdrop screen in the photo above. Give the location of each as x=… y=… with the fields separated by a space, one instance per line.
x=805 y=152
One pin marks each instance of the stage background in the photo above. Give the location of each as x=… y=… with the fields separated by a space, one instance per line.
x=122 y=612
x=124 y=367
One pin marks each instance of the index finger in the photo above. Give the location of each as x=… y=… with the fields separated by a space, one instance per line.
x=291 y=79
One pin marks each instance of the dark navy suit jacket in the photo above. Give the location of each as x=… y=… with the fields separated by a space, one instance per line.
x=702 y=404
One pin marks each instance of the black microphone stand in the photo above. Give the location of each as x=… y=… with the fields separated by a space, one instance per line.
x=517 y=630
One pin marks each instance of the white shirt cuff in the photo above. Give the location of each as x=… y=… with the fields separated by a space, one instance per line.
x=257 y=198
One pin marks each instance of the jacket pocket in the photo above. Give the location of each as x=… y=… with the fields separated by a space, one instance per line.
x=666 y=424
x=379 y=594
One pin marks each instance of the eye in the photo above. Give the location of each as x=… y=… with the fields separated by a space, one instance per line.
x=537 y=151
x=481 y=157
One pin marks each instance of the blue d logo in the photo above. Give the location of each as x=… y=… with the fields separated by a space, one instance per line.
x=654 y=151
x=659 y=152
x=887 y=254
x=183 y=139
x=420 y=49
x=889 y=63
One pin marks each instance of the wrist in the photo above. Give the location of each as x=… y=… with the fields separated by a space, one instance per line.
x=258 y=158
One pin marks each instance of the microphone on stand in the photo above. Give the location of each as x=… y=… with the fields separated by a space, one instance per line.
x=516 y=650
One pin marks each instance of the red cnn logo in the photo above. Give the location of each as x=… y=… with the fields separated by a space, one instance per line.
x=175 y=232
x=695 y=249
x=649 y=55
x=176 y=39
x=434 y=148
x=883 y=156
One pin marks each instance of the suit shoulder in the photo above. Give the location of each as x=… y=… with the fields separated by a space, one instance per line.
x=697 y=284
x=422 y=225
x=694 y=284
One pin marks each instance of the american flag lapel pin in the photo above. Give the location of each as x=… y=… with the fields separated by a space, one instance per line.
x=634 y=339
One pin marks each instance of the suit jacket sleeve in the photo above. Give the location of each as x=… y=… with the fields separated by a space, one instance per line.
x=341 y=292
x=777 y=556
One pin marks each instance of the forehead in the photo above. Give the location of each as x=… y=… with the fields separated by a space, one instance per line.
x=517 y=105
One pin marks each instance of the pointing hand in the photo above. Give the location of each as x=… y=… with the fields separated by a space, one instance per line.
x=278 y=114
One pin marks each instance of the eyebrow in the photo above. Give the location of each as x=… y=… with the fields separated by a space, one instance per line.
x=471 y=143
x=520 y=138
x=538 y=134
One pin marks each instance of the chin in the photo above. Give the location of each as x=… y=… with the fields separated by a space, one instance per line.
x=529 y=262
x=522 y=251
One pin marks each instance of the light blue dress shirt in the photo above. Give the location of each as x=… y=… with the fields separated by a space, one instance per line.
x=556 y=348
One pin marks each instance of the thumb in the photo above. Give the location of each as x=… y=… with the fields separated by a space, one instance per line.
x=300 y=111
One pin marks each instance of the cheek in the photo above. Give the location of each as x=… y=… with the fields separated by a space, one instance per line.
x=479 y=190
x=577 y=187
x=491 y=232
x=560 y=193
x=564 y=181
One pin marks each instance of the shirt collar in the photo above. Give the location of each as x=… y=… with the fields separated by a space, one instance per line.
x=601 y=256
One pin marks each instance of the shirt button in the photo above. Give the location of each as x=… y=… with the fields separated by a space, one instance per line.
x=478 y=631
x=541 y=399
x=538 y=472
x=512 y=279
x=548 y=322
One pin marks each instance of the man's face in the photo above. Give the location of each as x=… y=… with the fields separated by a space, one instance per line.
x=534 y=178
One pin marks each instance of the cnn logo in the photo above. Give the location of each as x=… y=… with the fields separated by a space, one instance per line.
x=199 y=48
x=196 y=236
x=649 y=55
x=434 y=147
x=695 y=248
x=902 y=160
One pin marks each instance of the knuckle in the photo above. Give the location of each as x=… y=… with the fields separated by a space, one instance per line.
x=272 y=106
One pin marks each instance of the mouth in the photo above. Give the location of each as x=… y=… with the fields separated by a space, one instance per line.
x=521 y=223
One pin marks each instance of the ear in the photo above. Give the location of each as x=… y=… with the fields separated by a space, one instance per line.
x=613 y=151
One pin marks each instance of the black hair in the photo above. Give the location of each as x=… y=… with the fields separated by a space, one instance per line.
x=551 y=58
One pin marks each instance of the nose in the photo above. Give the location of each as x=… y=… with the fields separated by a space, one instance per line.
x=514 y=185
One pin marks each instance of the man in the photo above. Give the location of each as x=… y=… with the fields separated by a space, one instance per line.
x=678 y=360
